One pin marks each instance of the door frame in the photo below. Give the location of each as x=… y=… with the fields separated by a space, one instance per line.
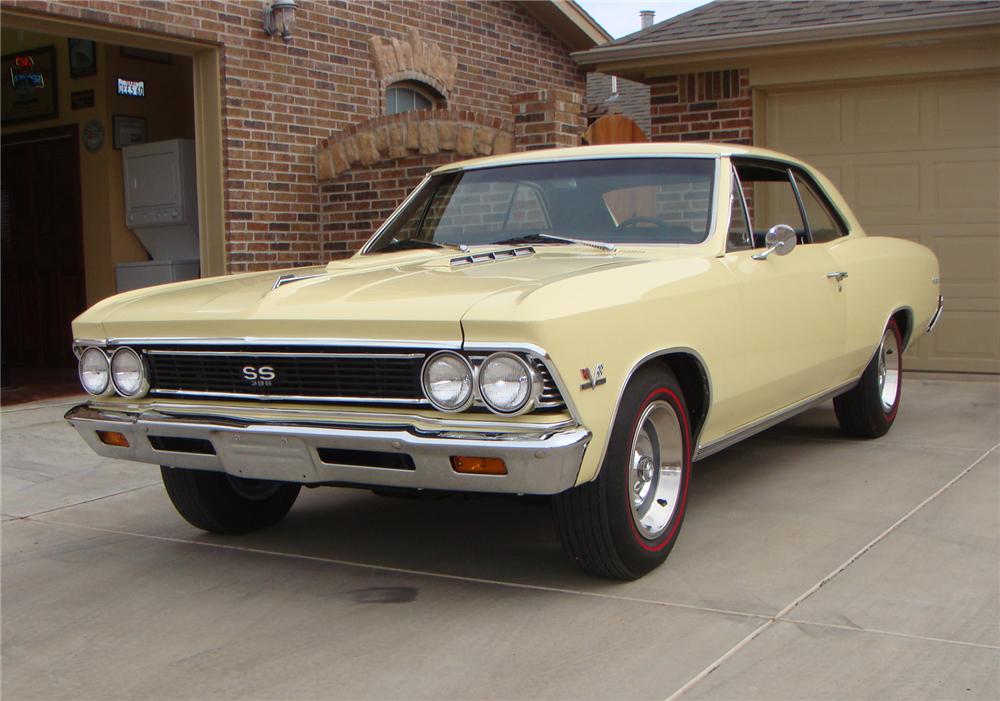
x=207 y=66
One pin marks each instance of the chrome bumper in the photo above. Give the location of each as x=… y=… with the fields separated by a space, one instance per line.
x=537 y=462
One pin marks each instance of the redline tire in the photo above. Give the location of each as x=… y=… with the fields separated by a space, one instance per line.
x=866 y=411
x=599 y=524
x=211 y=502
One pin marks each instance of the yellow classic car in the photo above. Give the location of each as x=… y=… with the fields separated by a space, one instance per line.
x=582 y=323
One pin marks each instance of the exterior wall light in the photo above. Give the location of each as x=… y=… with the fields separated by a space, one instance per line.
x=279 y=18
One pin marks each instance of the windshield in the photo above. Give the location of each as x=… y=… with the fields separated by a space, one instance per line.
x=616 y=201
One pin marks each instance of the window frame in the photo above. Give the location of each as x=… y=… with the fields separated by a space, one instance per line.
x=795 y=173
x=738 y=185
x=424 y=90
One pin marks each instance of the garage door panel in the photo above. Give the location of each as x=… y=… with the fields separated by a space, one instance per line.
x=887 y=186
x=966 y=184
x=965 y=113
x=919 y=160
x=884 y=118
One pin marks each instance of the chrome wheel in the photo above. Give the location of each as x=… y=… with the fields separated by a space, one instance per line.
x=657 y=460
x=888 y=369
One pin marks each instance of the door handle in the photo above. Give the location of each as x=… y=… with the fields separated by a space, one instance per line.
x=838 y=276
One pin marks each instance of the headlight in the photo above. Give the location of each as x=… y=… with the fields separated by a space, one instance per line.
x=127 y=373
x=94 y=371
x=447 y=381
x=506 y=383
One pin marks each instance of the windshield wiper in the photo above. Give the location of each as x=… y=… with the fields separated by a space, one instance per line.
x=529 y=238
x=406 y=244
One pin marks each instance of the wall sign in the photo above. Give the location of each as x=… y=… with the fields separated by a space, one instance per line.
x=81 y=99
x=28 y=88
x=82 y=58
x=131 y=88
x=128 y=130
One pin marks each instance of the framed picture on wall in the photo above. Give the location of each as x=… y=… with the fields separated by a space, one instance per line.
x=28 y=90
x=82 y=58
x=128 y=130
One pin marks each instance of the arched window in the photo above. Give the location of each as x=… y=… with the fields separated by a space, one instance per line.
x=409 y=96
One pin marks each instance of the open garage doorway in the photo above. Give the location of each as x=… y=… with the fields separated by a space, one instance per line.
x=112 y=172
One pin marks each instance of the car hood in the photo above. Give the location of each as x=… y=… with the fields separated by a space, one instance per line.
x=413 y=295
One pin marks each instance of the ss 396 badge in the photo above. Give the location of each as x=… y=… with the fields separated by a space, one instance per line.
x=593 y=378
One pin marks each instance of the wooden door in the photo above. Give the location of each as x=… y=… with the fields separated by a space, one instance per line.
x=42 y=247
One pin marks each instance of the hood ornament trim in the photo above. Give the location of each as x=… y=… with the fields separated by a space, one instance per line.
x=502 y=254
x=292 y=277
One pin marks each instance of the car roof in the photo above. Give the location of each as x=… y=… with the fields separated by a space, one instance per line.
x=690 y=149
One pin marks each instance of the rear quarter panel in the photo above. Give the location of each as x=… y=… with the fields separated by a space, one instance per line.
x=885 y=275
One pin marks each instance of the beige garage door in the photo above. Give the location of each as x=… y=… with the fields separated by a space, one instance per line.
x=918 y=160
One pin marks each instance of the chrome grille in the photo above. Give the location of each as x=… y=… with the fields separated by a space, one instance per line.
x=294 y=374
x=307 y=374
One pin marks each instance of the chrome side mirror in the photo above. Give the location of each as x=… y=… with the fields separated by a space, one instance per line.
x=780 y=240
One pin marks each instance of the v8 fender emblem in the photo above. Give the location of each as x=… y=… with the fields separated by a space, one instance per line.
x=593 y=378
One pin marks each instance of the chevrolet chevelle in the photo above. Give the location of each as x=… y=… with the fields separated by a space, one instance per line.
x=582 y=323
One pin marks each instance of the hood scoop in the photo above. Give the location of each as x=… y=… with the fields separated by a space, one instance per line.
x=292 y=277
x=502 y=254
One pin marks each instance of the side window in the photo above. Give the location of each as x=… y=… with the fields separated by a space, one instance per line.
x=527 y=210
x=739 y=237
x=774 y=200
x=823 y=224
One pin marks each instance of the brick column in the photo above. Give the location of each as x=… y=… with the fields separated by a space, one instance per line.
x=547 y=119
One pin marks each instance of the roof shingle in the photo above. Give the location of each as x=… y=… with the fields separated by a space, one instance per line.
x=724 y=17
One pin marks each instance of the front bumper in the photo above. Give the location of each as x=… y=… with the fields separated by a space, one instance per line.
x=546 y=462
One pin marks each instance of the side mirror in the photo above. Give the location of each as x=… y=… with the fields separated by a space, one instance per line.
x=780 y=240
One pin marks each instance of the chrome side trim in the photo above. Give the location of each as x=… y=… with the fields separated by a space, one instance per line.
x=276 y=341
x=768 y=421
x=643 y=361
x=265 y=354
x=937 y=315
x=287 y=397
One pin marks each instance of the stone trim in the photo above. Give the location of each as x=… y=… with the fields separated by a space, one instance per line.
x=423 y=132
x=413 y=59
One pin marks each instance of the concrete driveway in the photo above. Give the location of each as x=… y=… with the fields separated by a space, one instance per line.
x=810 y=566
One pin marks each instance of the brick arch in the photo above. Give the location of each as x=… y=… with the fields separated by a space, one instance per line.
x=422 y=132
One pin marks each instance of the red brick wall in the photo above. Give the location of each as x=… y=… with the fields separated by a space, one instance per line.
x=281 y=100
x=713 y=106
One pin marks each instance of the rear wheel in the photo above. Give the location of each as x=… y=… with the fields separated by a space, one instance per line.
x=624 y=523
x=868 y=410
x=216 y=502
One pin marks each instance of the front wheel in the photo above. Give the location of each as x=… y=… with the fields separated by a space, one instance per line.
x=624 y=524
x=218 y=503
x=868 y=410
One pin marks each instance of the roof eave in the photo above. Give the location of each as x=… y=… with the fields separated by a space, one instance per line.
x=756 y=40
x=569 y=22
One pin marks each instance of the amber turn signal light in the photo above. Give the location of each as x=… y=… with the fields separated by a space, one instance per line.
x=478 y=466
x=113 y=438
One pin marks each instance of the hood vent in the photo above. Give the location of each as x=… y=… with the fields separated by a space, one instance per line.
x=502 y=254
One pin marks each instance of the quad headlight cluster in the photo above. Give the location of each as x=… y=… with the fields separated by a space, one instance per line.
x=123 y=372
x=505 y=382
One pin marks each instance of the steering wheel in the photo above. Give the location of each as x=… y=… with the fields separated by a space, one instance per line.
x=636 y=220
